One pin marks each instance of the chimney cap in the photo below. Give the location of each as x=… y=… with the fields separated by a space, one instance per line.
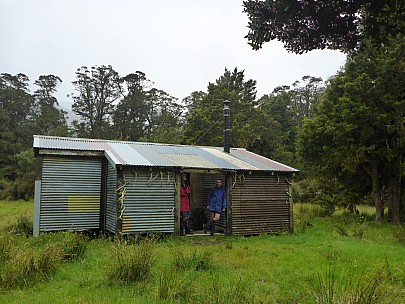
x=226 y=102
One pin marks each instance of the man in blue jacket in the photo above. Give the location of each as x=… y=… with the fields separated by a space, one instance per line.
x=216 y=205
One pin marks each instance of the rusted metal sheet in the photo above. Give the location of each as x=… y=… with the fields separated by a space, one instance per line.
x=70 y=194
x=149 y=204
x=260 y=204
x=111 y=200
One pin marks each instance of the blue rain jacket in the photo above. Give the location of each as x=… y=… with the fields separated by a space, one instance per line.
x=217 y=200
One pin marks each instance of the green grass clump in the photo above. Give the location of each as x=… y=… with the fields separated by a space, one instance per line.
x=368 y=262
x=23 y=226
x=303 y=213
x=349 y=289
x=24 y=268
x=174 y=285
x=232 y=292
x=9 y=209
x=131 y=263
x=72 y=245
x=197 y=260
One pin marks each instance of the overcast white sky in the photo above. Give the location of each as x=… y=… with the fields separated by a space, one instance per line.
x=181 y=45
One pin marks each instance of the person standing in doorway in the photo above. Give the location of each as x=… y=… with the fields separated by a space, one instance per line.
x=216 y=205
x=184 y=205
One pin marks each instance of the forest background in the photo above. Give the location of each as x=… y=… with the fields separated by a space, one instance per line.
x=345 y=134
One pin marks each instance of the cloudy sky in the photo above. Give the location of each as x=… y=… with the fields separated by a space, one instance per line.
x=181 y=45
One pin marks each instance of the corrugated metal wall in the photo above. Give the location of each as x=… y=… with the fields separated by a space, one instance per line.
x=111 y=204
x=70 y=193
x=260 y=204
x=149 y=204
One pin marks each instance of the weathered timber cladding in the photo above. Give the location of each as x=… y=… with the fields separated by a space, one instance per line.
x=260 y=204
x=70 y=193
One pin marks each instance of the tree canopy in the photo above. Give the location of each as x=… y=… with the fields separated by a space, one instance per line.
x=343 y=25
x=358 y=128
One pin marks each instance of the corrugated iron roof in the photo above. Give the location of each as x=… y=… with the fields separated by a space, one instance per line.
x=165 y=155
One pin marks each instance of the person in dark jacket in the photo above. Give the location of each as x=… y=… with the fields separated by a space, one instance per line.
x=216 y=205
x=184 y=205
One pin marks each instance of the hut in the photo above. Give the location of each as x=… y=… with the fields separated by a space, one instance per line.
x=127 y=188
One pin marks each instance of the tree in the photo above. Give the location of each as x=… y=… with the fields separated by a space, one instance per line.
x=359 y=126
x=98 y=88
x=131 y=114
x=334 y=24
x=204 y=120
x=284 y=111
x=49 y=119
x=16 y=105
x=16 y=131
x=164 y=118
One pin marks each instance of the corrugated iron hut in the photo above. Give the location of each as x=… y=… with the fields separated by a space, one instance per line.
x=133 y=187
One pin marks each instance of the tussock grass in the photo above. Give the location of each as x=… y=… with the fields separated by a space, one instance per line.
x=130 y=263
x=23 y=226
x=23 y=268
x=197 y=260
x=346 y=288
x=24 y=263
x=303 y=213
x=232 y=292
x=174 y=285
x=72 y=245
x=285 y=268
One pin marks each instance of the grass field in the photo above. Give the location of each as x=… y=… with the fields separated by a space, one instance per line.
x=341 y=259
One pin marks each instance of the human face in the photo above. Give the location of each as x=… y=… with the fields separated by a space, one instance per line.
x=218 y=183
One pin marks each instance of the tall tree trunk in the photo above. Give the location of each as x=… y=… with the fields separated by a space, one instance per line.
x=377 y=194
x=394 y=192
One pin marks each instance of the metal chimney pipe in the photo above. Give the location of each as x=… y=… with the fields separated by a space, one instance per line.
x=227 y=126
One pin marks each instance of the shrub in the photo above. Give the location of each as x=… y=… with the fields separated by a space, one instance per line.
x=131 y=263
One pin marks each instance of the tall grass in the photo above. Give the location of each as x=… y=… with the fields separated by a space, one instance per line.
x=23 y=226
x=285 y=268
x=303 y=213
x=131 y=263
x=25 y=263
x=23 y=268
x=197 y=260
x=174 y=285
x=346 y=288
x=73 y=245
x=233 y=292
